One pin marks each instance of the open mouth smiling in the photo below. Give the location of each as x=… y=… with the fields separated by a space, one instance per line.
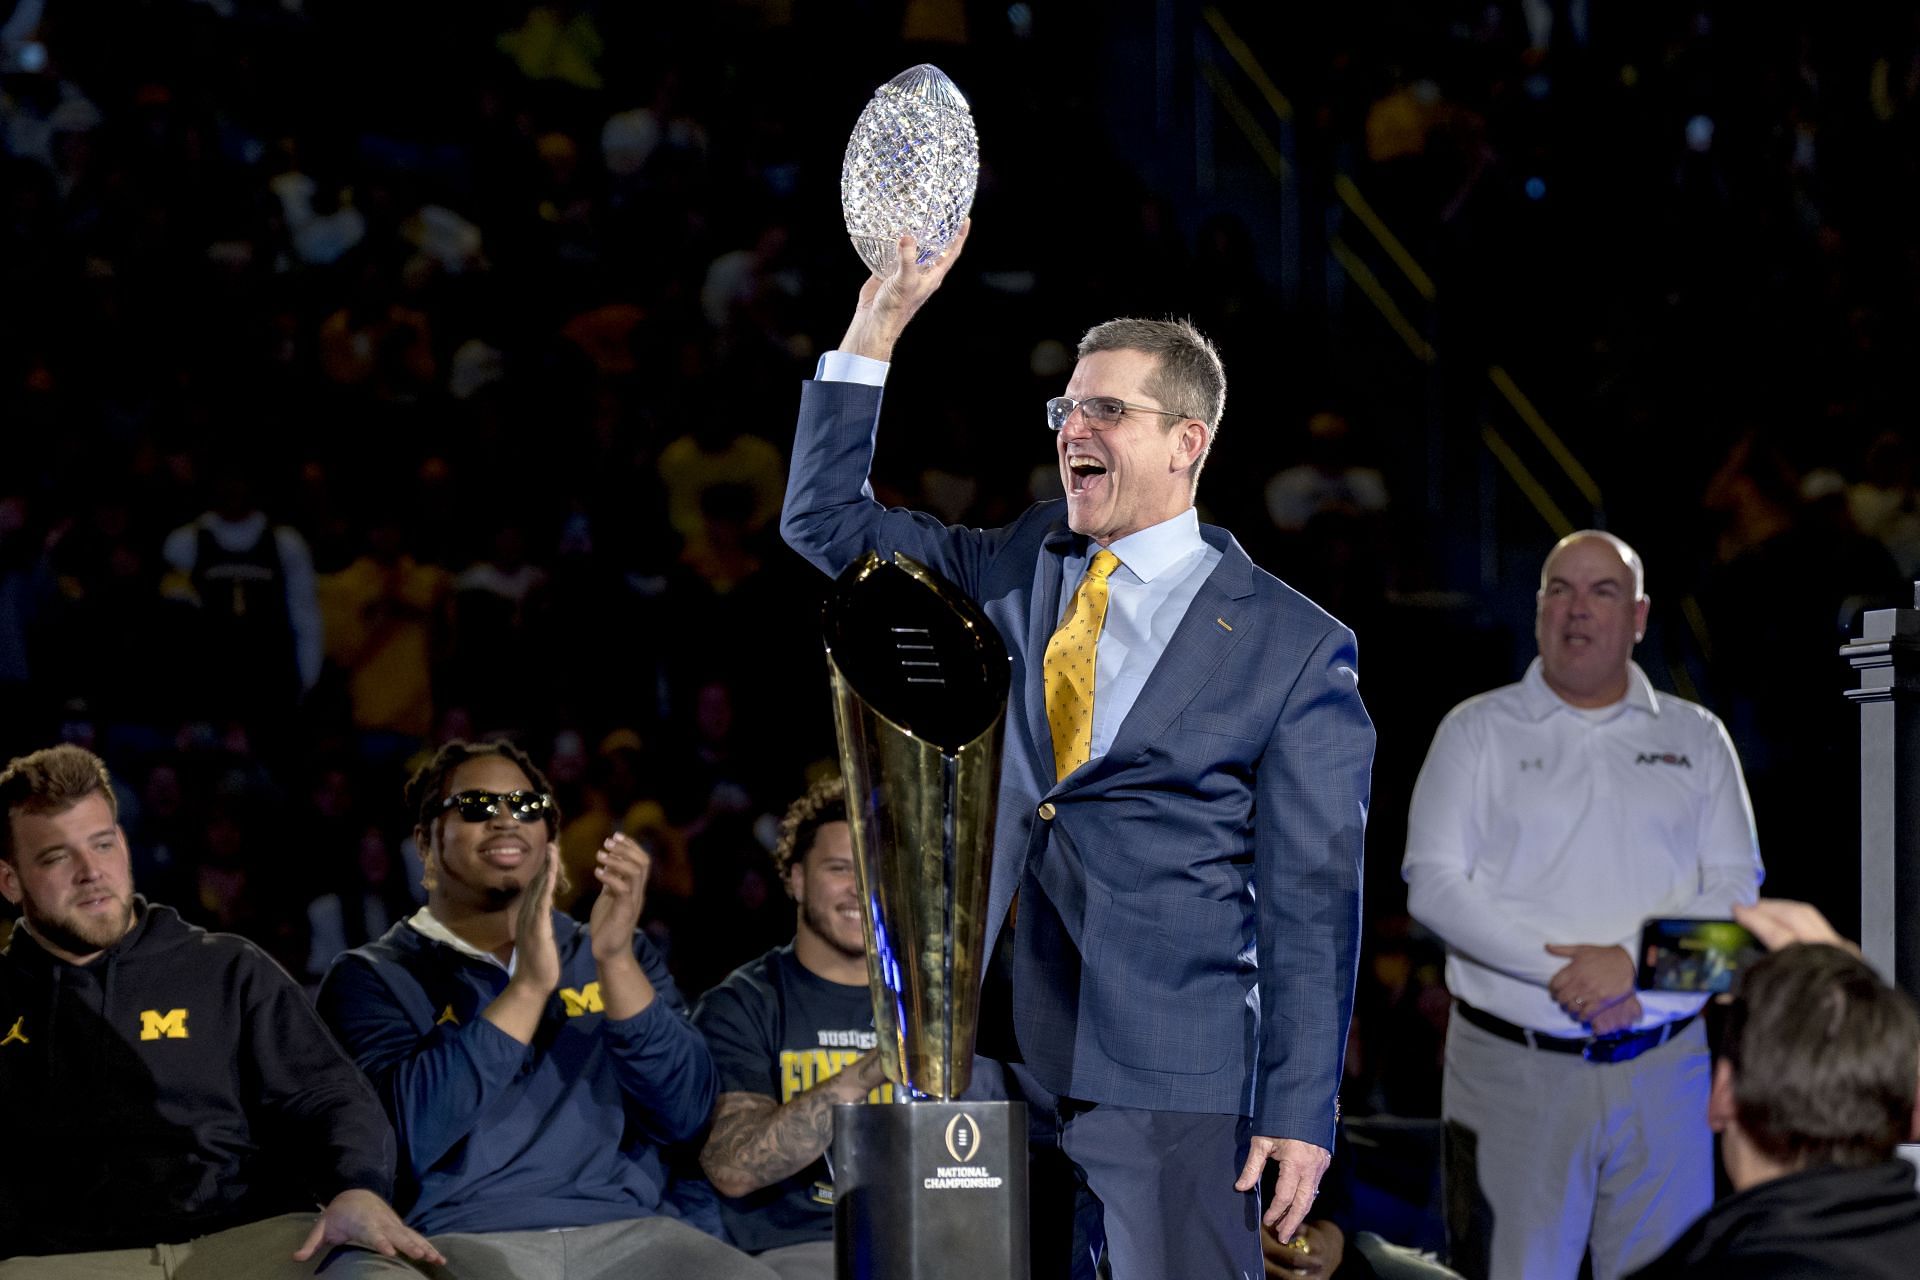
x=506 y=853
x=1084 y=472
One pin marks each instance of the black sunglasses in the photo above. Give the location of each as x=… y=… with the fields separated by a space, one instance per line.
x=478 y=806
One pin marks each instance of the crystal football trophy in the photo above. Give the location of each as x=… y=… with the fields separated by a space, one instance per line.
x=911 y=165
x=936 y=1188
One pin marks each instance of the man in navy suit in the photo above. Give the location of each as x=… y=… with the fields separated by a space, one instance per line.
x=1181 y=805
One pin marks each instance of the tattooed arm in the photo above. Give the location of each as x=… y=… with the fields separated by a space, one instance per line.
x=756 y=1141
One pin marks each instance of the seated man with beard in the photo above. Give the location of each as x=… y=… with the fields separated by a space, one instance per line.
x=174 y=1107
x=793 y=1035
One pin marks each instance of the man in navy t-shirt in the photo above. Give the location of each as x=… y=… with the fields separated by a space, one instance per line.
x=792 y=1035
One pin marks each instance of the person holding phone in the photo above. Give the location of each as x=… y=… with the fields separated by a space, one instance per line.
x=1813 y=1093
x=1551 y=818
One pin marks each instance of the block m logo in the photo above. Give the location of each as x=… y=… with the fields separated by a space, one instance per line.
x=171 y=1025
x=584 y=1001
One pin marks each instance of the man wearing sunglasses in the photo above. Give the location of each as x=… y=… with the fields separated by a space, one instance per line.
x=534 y=1069
x=1175 y=906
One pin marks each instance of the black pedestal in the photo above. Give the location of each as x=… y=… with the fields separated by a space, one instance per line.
x=930 y=1191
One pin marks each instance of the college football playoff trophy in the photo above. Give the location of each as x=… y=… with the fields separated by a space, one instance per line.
x=933 y=1188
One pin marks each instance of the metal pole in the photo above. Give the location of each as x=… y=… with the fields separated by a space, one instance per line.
x=1887 y=658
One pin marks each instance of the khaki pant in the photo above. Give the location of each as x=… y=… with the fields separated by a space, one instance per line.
x=257 y=1251
x=810 y=1261
x=1550 y=1158
x=634 y=1249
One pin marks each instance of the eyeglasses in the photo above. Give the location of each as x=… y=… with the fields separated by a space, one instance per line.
x=478 y=806
x=1100 y=412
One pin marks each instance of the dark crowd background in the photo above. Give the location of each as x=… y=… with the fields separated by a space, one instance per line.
x=494 y=313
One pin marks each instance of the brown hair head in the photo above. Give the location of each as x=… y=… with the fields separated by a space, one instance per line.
x=51 y=780
x=824 y=802
x=1824 y=1057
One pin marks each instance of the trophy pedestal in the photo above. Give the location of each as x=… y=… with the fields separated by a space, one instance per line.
x=930 y=1191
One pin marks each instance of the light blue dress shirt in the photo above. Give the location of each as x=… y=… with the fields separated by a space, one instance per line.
x=1161 y=570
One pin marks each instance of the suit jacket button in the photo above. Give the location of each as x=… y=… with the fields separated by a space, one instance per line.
x=1046 y=811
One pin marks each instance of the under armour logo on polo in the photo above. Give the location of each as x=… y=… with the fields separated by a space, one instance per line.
x=1537 y=762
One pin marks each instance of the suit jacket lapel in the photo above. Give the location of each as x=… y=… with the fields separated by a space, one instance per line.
x=1213 y=625
x=1040 y=627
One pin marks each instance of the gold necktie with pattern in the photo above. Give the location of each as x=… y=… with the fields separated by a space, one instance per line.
x=1068 y=669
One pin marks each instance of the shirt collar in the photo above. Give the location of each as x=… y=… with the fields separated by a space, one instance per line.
x=1541 y=701
x=428 y=925
x=1157 y=548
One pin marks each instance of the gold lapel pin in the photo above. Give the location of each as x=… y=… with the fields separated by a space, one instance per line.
x=1224 y=623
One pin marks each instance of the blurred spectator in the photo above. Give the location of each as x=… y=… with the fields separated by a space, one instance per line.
x=27 y=599
x=741 y=283
x=38 y=105
x=631 y=139
x=606 y=335
x=1329 y=478
x=716 y=452
x=497 y=604
x=377 y=343
x=319 y=237
x=724 y=555
x=387 y=616
x=1790 y=582
x=256 y=642
x=371 y=895
x=557 y=42
x=1399 y=1023
x=1885 y=504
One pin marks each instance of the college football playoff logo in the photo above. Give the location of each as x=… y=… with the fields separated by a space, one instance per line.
x=963 y=1138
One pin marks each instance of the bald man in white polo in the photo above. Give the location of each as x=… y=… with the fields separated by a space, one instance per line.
x=1551 y=818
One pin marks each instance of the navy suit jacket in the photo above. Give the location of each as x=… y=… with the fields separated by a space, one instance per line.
x=1189 y=921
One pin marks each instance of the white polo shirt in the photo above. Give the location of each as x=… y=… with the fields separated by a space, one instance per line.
x=1537 y=822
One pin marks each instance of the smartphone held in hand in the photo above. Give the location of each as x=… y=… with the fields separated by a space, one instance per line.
x=1694 y=955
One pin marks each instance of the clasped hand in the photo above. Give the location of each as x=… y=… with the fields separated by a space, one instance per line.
x=1595 y=986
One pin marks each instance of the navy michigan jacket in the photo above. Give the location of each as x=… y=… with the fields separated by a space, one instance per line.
x=495 y=1135
x=1189 y=916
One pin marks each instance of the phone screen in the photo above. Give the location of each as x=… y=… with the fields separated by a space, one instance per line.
x=1694 y=955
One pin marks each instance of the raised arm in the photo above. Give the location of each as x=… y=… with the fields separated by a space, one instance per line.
x=830 y=516
x=888 y=303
